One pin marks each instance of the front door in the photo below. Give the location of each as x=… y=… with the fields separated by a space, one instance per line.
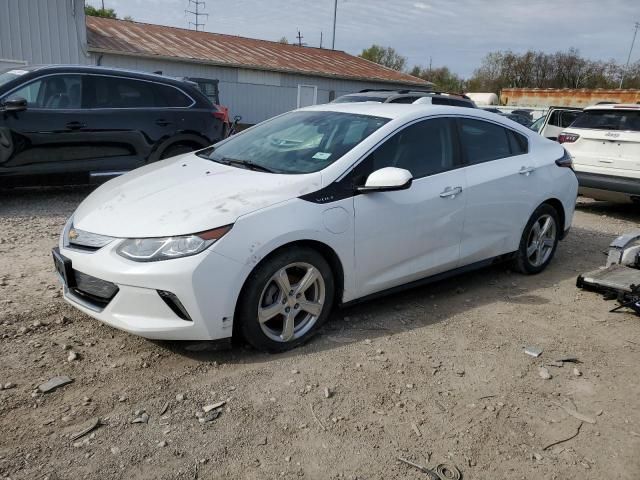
x=405 y=235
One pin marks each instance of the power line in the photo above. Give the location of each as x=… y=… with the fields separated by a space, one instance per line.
x=197 y=13
x=635 y=32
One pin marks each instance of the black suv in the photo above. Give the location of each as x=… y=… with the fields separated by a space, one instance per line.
x=76 y=125
x=407 y=96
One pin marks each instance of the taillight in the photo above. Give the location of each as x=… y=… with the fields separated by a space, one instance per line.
x=218 y=115
x=568 y=137
x=565 y=160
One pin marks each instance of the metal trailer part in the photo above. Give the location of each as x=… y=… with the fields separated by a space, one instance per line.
x=620 y=278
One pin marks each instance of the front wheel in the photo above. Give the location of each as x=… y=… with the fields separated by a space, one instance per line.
x=539 y=240
x=286 y=300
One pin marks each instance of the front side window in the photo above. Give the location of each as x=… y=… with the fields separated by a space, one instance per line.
x=424 y=148
x=483 y=141
x=55 y=92
x=297 y=142
x=614 y=119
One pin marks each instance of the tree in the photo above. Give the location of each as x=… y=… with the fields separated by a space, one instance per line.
x=128 y=18
x=99 y=12
x=443 y=78
x=386 y=56
x=283 y=40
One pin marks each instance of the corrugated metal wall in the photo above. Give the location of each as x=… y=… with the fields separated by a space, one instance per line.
x=253 y=94
x=42 y=31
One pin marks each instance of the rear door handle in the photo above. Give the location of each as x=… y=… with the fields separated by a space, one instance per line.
x=451 y=192
x=161 y=122
x=75 y=125
x=526 y=170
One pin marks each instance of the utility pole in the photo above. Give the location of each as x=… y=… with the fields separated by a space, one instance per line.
x=335 y=14
x=626 y=67
x=320 y=38
x=196 y=12
x=103 y=5
x=299 y=37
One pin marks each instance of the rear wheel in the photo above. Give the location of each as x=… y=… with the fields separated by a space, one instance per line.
x=286 y=300
x=539 y=240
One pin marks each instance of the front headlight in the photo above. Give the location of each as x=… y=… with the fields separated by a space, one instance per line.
x=155 y=249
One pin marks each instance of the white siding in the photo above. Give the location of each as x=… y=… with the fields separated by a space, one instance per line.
x=43 y=31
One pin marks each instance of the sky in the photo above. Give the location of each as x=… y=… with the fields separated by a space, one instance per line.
x=453 y=33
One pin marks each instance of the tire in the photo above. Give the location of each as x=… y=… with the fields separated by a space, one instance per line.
x=534 y=254
x=175 y=150
x=264 y=296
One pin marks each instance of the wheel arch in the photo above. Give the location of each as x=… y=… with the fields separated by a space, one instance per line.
x=325 y=250
x=192 y=140
x=558 y=207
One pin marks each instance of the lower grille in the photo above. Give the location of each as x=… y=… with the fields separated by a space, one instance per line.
x=93 y=290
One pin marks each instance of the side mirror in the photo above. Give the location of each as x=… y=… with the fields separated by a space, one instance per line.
x=387 y=179
x=14 y=104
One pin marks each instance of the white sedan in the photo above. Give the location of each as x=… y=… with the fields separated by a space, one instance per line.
x=263 y=233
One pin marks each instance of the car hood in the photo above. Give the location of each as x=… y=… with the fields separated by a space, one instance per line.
x=183 y=195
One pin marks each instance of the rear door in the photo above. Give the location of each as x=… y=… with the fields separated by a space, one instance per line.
x=557 y=120
x=502 y=189
x=609 y=139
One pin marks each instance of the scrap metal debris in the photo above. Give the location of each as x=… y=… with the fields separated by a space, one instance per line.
x=533 y=351
x=95 y=423
x=442 y=471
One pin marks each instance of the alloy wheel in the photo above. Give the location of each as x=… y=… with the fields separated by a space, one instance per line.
x=291 y=302
x=541 y=241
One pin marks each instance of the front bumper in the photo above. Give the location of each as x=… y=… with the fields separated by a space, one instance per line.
x=206 y=285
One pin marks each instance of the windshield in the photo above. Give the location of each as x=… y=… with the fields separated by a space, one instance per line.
x=297 y=142
x=609 y=120
x=537 y=125
x=7 y=75
x=358 y=98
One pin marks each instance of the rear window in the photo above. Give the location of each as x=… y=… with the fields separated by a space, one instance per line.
x=609 y=120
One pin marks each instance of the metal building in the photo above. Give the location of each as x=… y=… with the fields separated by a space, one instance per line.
x=257 y=78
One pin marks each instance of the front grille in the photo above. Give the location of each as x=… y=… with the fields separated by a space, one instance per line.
x=93 y=290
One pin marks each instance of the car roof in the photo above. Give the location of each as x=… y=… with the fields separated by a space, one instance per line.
x=104 y=70
x=407 y=112
x=614 y=106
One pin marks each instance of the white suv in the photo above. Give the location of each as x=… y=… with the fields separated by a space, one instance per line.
x=604 y=142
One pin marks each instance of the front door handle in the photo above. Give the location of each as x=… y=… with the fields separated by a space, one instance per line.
x=161 y=122
x=526 y=170
x=75 y=125
x=451 y=192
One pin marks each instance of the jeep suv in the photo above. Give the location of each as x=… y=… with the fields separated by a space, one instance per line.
x=76 y=125
x=407 y=96
x=604 y=142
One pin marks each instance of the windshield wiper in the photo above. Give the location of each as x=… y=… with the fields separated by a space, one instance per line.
x=245 y=164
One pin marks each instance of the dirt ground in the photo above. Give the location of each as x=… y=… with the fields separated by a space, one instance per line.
x=435 y=374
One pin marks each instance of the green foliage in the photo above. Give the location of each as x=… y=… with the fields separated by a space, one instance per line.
x=386 y=56
x=99 y=12
x=443 y=78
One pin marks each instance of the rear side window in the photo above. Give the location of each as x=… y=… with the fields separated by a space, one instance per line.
x=567 y=118
x=518 y=143
x=168 y=96
x=613 y=119
x=483 y=141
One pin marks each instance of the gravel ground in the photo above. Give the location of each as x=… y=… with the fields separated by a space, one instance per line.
x=436 y=374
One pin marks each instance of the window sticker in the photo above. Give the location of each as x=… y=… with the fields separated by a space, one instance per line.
x=321 y=156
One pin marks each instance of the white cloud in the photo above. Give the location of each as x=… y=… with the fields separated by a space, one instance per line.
x=422 y=6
